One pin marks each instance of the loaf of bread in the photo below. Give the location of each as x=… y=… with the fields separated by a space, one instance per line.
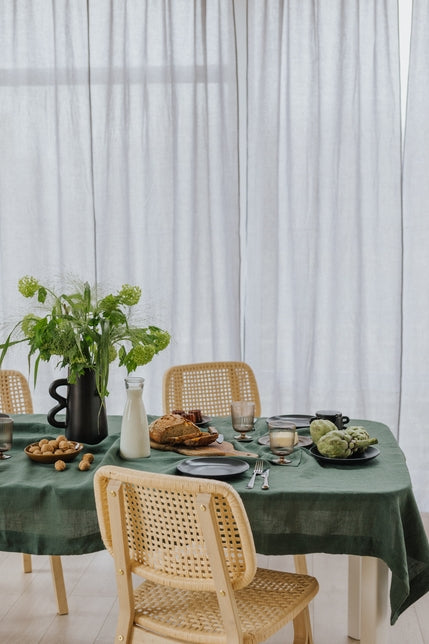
x=172 y=428
x=200 y=441
x=176 y=430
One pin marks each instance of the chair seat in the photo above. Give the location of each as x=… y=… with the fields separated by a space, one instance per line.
x=267 y=604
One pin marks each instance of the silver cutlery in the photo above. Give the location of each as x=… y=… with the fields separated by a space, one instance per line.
x=258 y=469
x=265 y=476
x=213 y=430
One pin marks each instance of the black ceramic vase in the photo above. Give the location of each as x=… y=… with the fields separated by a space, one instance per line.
x=85 y=415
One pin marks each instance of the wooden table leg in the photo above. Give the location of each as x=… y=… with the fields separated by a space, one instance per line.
x=60 y=589
x=368 y=600
x=26 y=562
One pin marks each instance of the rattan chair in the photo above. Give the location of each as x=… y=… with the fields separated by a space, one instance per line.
x=15 y=398
x=209 y=386
x=191 y=542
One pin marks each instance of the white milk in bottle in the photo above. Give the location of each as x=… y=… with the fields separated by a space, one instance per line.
x=134 y=441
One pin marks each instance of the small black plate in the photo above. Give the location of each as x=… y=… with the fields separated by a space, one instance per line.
x=356 y=459
x=300 y=420
x=206 y=420
x=212 y=467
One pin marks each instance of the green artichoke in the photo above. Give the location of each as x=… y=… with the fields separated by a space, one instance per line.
x=320 y=427
x=360 y=434
x=341 y=444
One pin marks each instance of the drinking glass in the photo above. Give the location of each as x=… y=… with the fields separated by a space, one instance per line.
x=6 y=430
x=282 y=440
x=242 y=416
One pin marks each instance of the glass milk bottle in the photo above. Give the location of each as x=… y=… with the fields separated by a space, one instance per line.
x=134 y=441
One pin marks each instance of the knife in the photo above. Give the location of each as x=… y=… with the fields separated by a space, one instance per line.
x=213 y=430
x=265 y=476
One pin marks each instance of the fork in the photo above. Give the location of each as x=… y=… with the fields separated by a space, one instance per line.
x=258 y=469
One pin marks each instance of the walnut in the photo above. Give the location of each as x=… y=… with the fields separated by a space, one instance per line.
x=47 y=449
x=60 y=466
x=43 y=441
x=88 y=457
x=84 y=465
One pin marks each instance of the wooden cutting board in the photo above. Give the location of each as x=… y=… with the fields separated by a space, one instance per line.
x=214 y=449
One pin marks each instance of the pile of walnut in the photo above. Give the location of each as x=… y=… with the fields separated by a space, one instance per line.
x=84 y=464
x=58 y=446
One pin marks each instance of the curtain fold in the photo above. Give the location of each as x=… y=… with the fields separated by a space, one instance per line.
x=120 y=127
x=415 y=376
x=46 y=198
x=323 y=305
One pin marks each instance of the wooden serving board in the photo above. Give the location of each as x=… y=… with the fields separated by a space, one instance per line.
x=214 y=449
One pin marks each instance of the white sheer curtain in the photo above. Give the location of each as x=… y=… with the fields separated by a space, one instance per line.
x=119 y=164
x=46 y=203
x=323 y=309
x=415 y=377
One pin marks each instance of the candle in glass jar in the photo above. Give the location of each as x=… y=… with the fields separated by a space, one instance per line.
x=283 y=438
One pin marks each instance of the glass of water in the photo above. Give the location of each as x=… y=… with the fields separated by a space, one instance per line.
x=282 y=440
x=242 y=417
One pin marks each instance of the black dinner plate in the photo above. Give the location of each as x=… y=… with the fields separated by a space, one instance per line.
x=356 y=459
x=212 y=467
x=300 y=420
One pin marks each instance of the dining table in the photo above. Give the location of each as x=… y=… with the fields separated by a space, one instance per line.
x=365 y=509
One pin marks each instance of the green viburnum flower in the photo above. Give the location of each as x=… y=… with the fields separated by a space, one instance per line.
x=142 y=354
x=162 y=339
x=138 y=355
x=28 y=286
x=28 y=325
x=130 y=295
x=109 y=303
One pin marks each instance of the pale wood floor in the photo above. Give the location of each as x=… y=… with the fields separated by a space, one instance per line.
x=28 y=609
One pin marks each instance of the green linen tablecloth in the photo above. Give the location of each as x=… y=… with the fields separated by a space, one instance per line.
x=366 y=509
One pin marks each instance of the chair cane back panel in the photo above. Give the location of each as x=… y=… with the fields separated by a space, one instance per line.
x=15 y=395
x=209 y=386
x=165 y=539
x=191 y=541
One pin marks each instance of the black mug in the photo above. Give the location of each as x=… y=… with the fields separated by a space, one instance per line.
x=335 y=417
